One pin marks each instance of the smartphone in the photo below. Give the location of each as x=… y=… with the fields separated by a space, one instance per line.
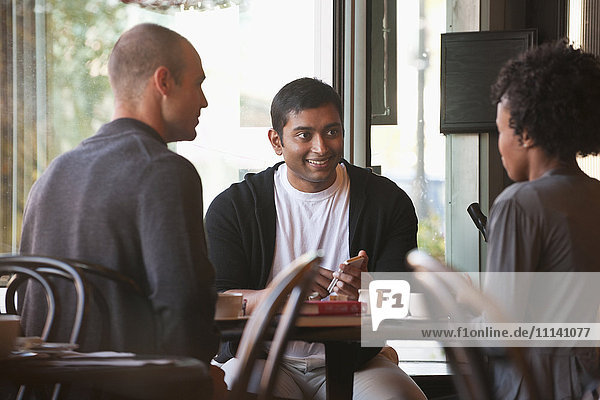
x=351 y=261
x=354 y=261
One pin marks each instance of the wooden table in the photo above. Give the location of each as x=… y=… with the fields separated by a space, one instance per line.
x=138 y=377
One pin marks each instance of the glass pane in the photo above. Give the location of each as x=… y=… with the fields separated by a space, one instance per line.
x=580 y=27
x=411 y=153
x=248 y=53
x=60 y=51
x=78 y=40
x=252 y=54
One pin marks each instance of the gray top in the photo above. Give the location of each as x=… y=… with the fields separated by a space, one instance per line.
x=546 y=225
x=123 y=200
x=549 y=224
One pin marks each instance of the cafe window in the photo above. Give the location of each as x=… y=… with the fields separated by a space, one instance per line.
x=54 y=89
x=584 y=30
x=406 y=144
x=54 y=92
x=405 y=141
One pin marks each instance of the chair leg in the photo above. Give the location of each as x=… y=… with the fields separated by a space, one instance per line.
x=21 y=392
x=56 y=391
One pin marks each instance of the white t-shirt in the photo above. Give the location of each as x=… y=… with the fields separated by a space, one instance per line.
x=311 y=221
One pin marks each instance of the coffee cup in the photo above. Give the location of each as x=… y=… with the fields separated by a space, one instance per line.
x=417 y=306
x=363 y=297
x=229 y=305
x=10 y=327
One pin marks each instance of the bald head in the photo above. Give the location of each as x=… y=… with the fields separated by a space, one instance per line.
x=138 y=53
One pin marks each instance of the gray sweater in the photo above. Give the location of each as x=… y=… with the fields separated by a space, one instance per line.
x=123 y=200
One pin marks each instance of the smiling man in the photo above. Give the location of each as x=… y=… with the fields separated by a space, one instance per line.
x=313 y=200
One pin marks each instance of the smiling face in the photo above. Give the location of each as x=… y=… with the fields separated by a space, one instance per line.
x=313 y=145
x=511 y=146
x=186 y=100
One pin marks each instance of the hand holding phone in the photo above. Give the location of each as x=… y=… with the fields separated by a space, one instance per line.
x=354 y=261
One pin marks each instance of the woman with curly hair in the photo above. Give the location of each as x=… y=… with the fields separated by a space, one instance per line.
x=548 y=112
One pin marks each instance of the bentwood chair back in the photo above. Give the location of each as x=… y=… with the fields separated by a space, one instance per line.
x=471 y=375
x=46 y=267
x=290 y=287
x=39 y=268
x=20 y=274
x=43 y=270
x=71 y=270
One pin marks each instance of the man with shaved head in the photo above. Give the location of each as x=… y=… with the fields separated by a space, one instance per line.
x=123 y=200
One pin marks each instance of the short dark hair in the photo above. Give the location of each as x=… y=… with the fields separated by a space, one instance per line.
x=301 y=94
x=553 y=91
x=138 y=53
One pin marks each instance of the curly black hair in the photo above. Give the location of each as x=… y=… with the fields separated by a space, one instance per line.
x=553 y=91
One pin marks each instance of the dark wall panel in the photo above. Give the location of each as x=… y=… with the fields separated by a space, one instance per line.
x=470 y=63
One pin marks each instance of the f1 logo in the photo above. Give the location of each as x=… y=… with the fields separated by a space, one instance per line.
x=389 y=299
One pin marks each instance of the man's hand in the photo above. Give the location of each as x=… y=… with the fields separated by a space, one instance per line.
x=321 y=282
x=349 y=277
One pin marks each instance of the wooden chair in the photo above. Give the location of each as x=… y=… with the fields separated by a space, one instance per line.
x=48 y=272
x=39 y=268
x=47 y=267
x=72 y=270
x=471 y=375
x=294 y=281
x=20 y=274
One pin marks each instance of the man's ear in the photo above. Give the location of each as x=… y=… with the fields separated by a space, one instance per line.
x=162 y=80
x=275 y=142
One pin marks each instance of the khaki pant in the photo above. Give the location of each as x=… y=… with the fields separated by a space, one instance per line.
x=380 y=378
